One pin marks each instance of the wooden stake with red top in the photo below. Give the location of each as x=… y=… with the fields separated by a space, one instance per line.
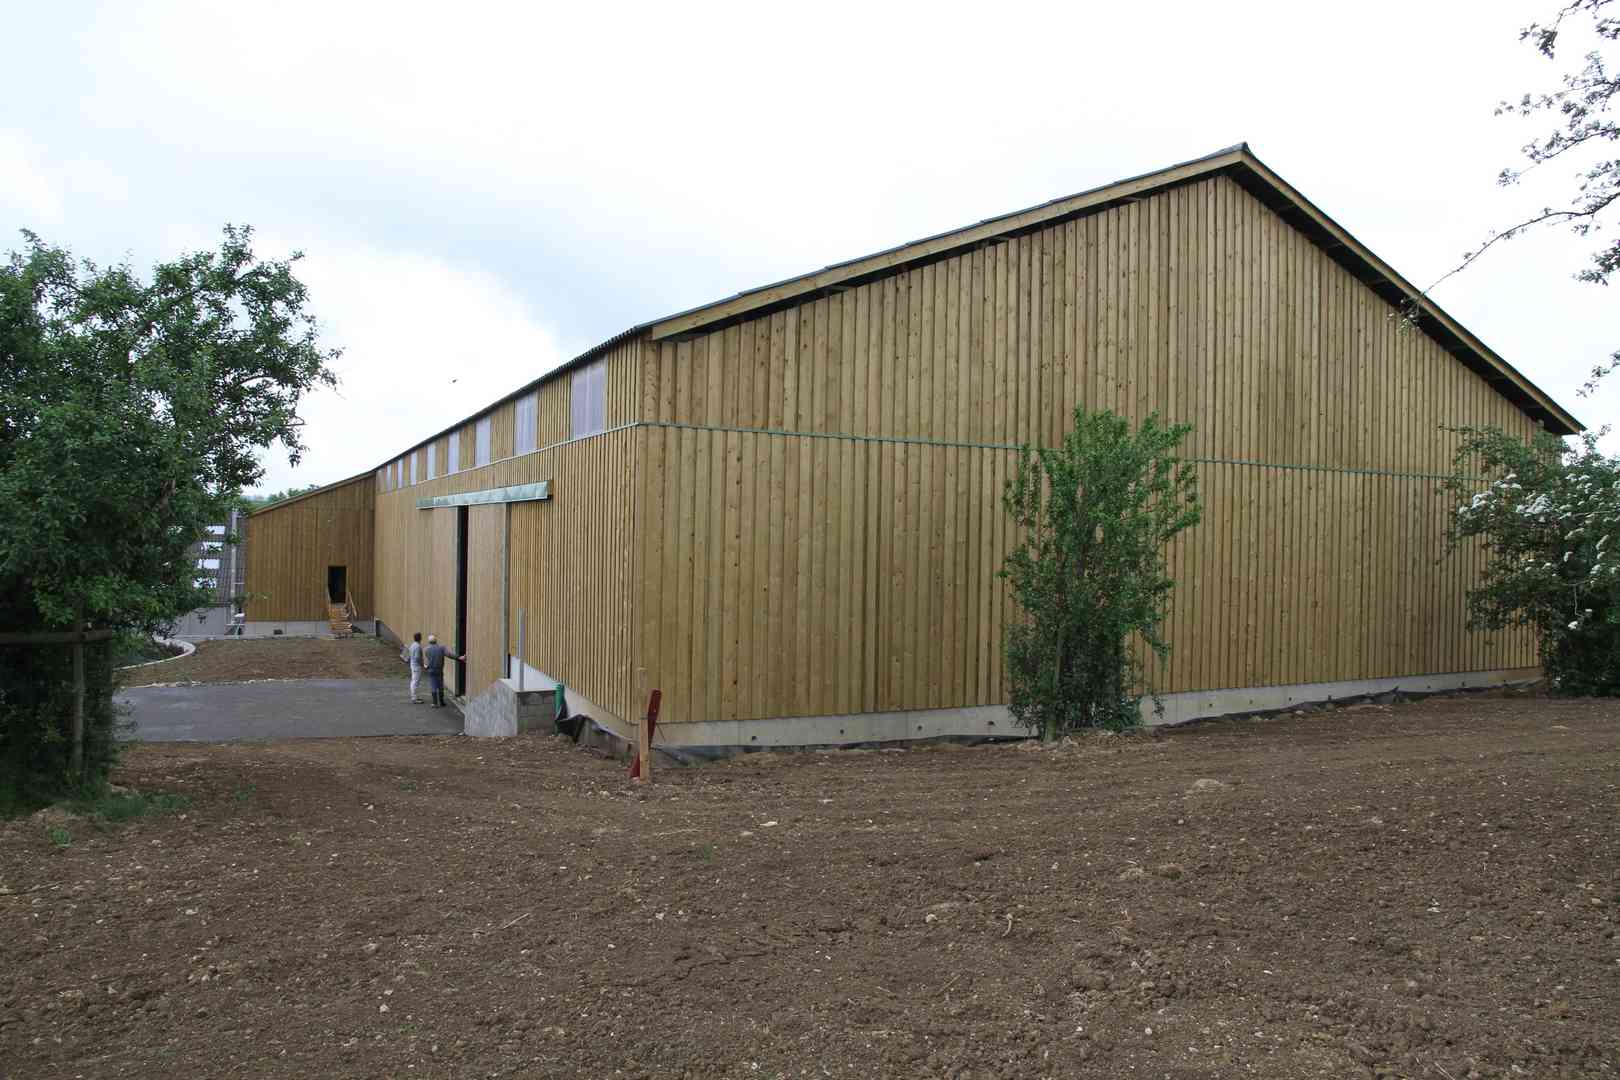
x=641 y=763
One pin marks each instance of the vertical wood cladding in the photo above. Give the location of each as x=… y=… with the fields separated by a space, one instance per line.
x=839 y=553
x=486 y=547
x=1197 y=302
x=800 y=513
x=290 y=545
x=569 y=558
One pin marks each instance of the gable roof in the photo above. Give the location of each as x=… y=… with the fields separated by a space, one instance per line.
x=1237 y=162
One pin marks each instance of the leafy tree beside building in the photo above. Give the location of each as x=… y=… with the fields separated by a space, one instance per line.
x=132 y=411
x=1548 y=512
x=1549 y=515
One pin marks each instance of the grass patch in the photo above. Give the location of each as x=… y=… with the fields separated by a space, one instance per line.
x=104 y=803
x=116 y=806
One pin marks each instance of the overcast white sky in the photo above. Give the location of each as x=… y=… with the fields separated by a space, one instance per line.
x=483 y=191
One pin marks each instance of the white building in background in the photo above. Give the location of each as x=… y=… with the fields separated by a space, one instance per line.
x=221 y=563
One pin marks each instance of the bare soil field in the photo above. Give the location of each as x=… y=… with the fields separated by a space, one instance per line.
x=273 y=658
x=1421 y=890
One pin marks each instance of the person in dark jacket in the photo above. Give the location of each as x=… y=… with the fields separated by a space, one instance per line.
x=433 y=661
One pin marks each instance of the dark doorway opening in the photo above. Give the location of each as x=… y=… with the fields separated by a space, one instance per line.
x=461 y=598
x=337 y=584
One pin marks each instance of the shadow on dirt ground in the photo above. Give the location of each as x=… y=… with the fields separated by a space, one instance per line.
x=1423 y=890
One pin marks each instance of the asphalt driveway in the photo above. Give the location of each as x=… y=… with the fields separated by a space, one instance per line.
x=292 y=709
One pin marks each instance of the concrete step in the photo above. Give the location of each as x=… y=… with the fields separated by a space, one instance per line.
x=502 y=710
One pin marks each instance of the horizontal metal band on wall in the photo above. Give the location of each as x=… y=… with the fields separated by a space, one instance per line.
x=537 y=492
x=911 y=440
x=541 y=491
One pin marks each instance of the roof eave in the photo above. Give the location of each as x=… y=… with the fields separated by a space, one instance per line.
x=1345 y=249
x=1238 y=161
x=552 y=373
x=941 y=245
x=369 y=474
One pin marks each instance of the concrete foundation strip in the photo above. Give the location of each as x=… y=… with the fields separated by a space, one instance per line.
x=186 y=649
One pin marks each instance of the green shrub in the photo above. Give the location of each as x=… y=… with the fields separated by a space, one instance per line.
x=36 y=710
x=1094 y=515
x=1548 y=514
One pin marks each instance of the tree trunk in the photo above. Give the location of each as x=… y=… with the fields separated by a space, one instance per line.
x=76 y=760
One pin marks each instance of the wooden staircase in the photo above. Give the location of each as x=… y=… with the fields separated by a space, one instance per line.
x=341 y=616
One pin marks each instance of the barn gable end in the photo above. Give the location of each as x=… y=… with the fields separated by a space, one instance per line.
x=846 y=453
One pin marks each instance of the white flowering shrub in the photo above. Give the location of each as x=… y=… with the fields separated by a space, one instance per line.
x=1548 y=513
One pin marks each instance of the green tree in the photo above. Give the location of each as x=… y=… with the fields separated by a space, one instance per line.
x=251 y=503
x=132 y=411
x=1089 y=573
x=1548 y=514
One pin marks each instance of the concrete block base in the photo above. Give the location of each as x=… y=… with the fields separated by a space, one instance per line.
x=502 y=710
x=703 y=739
x=1203 y=704
x=536 y=711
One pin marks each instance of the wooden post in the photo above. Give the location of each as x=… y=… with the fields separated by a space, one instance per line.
x=77 y=639
x=76 y=762
x=644 y=751
x=643 y=737
x=641 y=764
x=520 y=651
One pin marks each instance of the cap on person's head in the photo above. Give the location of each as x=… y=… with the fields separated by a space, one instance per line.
x=432 y=638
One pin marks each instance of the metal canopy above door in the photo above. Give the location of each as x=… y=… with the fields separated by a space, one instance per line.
x=536 y=492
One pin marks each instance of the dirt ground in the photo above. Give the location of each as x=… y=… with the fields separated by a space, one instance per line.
x=1424 y=890
x=273 y=658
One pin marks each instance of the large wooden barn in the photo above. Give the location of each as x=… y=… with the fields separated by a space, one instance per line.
x=784 y=509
